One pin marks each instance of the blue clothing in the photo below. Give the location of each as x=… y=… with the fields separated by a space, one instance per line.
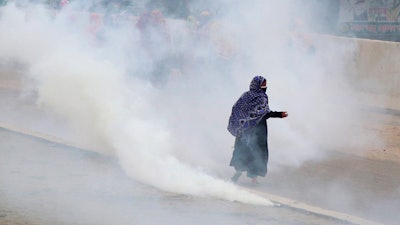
x=248 y=123
x=249 y=109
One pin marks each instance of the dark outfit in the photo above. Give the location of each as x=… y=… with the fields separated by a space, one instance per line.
x=248 y=123
x=251 y=149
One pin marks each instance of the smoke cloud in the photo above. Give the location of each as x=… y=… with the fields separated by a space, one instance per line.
x=162 y=107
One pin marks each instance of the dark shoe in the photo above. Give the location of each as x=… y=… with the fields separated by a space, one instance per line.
x=236 y=176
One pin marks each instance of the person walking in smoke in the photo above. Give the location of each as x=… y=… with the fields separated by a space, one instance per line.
x=156 y=41
x=248 y=123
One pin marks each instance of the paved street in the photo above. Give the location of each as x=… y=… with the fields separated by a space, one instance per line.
x=47 y=183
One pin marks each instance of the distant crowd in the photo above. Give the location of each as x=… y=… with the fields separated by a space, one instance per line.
x=170 y=45
x=202 y=41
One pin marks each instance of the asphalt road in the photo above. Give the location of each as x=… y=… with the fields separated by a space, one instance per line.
x=42 y=182
x=345 y=183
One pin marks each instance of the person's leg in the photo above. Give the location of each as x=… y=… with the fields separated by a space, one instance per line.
x=239 y=158
x=236 y=176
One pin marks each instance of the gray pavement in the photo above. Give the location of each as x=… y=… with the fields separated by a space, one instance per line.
x=343 y=183
x=42 y=182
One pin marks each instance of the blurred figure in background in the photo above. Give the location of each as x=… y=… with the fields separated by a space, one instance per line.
x=64 y=3
x=155 y=39
x=214 y=45
x=95 y=29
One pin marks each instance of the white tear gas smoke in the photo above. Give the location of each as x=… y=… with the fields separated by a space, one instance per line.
x=163 y=114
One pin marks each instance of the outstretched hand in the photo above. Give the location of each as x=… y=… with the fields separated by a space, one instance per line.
x=284 y=114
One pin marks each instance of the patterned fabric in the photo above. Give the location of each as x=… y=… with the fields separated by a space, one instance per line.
x=249 y=109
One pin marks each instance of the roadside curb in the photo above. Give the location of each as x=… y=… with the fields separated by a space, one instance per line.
x=290 y=203
x=280 y=201
x=39 y=135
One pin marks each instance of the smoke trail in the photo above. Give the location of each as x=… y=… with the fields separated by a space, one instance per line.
x=171 y=133
x=111 y=112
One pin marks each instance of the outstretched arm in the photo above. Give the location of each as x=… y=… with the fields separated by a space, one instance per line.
x=277 y=114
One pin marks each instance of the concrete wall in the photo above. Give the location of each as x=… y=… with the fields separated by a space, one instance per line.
x=378 y=66
x=374 y=70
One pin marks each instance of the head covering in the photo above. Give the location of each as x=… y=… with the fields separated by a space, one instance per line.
x=249 y=109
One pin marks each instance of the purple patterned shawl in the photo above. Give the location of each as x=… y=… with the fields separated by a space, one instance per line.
x=249 y=109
